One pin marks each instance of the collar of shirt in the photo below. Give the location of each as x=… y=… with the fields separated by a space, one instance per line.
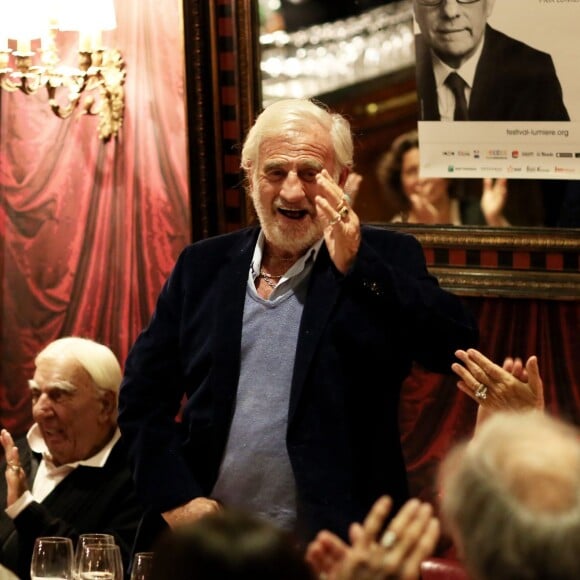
x=294 y=274
x=466 y=71
x=38 y=445
x=48 y=475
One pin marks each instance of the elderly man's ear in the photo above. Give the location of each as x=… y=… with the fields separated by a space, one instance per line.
x=108 y=403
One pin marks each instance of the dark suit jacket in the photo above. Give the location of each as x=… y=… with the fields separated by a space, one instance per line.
x=513 y=82
x=357 y=338
x=87 y=500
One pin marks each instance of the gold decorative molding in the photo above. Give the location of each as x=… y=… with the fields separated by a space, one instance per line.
x=470 y=237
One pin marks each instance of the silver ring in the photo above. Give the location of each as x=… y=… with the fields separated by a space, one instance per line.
x=346 y=198
x=481 y=392
x=14 y=467
x=389 y=539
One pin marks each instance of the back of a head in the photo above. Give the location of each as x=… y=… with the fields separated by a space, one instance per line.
x=511 y=498
x=230 y=546
x=298 y=113
x=98 y=360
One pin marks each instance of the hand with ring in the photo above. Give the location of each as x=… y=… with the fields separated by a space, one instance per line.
x=16 y=483
x=397 y=552
x=342 y=233
x=513 y=386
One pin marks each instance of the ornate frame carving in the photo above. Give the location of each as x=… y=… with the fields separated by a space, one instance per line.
x=224 y=95
x=511 y=262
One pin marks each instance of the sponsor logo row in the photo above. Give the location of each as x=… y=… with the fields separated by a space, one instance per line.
x=512 y=169
x=505 y=154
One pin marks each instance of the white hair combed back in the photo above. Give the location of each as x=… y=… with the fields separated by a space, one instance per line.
x=298 y=112
x=97 y=359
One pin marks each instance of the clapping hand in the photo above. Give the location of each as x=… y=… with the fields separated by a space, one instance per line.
x=16 y=483
x=513 y=386
x=374 y=555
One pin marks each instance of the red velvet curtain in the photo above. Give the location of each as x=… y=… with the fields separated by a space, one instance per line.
x=89 y=230
x=435 y=414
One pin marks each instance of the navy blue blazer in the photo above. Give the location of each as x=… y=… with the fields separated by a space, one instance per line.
x=513 y=82
x=358 y=336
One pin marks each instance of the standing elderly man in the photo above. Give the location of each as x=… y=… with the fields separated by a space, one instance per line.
x=70 y=476
x=467 y=70
x=289 y=342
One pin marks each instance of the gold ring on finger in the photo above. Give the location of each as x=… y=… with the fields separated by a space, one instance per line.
x=343 y=212
x=335 y=220
x=14 y=467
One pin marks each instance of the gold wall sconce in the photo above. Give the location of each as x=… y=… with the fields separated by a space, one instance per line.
x=97 y=81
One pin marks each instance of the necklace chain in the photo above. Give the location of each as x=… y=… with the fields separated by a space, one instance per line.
x=269 y=279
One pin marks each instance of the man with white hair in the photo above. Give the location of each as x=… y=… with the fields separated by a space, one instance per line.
x=511 y=498
x=285 y=346
x=69 y=476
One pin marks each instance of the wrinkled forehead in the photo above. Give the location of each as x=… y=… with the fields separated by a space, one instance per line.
x=297 y=139
x=60 y=371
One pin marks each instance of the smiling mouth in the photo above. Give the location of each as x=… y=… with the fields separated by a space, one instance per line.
x=293 y=214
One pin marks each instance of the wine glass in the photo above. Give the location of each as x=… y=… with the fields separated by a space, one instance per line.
x=52 y=557
x=85 y=539
x=100 y=562
x=142 y=565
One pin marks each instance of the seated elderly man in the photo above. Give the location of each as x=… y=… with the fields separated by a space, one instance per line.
x=511 y=498
x=69 y=476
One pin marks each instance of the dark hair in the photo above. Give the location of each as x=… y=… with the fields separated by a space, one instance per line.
x=229 y=545
x=390 y=166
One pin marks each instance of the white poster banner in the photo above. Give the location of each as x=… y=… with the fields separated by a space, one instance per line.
x=522 y=86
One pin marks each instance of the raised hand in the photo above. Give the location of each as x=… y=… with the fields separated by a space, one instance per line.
x=512 y=386
x=493 y=200
x=342 y=234
x=397 y=553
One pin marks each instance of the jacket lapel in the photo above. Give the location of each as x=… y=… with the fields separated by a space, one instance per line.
x=323 y=292
x=228 y=323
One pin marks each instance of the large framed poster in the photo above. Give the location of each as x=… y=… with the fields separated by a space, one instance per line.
x=515 y=111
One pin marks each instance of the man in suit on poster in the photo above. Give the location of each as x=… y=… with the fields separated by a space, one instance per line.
x=467 y=70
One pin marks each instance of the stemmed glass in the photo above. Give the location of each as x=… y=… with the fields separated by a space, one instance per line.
x=52 y=557
x=142 y=565
x=85 y=540
x=100 y=562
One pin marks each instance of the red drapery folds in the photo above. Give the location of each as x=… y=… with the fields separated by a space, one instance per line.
x=89 y=230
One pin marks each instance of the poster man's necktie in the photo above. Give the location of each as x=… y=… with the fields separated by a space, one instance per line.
x=457 y=86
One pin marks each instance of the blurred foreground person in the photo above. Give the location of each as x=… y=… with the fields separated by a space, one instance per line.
x=70 y=475
x=228 y=545
x=233 y=545
x=511 y=498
